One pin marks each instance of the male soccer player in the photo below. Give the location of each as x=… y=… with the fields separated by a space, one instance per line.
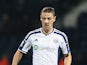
x=45 y=42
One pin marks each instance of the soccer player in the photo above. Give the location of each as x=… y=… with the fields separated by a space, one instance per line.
x=45 y=42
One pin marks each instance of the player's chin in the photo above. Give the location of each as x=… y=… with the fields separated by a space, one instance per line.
x=46 y=27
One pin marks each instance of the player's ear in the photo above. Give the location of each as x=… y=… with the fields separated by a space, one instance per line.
x=54 y=18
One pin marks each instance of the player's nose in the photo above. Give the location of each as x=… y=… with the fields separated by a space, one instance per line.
x=46 y=21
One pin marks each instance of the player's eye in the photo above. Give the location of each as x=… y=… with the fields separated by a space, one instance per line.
x=43 y=18
x=49 y=18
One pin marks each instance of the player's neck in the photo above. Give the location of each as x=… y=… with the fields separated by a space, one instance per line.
x=47 y=31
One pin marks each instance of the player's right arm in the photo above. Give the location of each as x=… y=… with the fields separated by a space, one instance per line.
x=17 y=57
x=23 y=49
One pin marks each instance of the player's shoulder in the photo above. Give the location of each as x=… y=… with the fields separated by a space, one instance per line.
x=35 y=31
x=38 y=30
x=59 y=32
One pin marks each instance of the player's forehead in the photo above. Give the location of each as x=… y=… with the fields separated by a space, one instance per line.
x=47 y=14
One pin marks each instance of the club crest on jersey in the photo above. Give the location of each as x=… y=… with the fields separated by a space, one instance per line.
x=55 y=40
x=35 y=47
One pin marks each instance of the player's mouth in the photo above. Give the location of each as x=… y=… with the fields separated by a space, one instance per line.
x=46 y=25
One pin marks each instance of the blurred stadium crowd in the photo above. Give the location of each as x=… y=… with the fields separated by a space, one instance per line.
x=18 y=17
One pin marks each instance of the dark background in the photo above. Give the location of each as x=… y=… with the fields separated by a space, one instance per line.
x=18 y=17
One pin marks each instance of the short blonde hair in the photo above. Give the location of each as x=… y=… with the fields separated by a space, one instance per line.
x=48 y=9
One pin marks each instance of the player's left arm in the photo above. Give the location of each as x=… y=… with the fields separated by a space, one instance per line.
x=67 y=59
x=66 y=50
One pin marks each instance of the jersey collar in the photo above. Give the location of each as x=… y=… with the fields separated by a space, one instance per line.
x=47 y=34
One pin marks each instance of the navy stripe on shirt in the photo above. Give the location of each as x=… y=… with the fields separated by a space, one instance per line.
x=62 y=36
x=67 y=45
x=33 y=33
x=20 y=47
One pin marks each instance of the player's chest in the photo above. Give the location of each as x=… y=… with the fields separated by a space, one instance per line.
x=45 y=43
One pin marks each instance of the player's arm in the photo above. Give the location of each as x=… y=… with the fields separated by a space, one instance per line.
x=17 y=57
x=23 y=49
x=66 y=50
x=68 y=59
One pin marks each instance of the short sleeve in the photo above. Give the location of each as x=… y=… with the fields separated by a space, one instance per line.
x=64 y=44
x=25 y=45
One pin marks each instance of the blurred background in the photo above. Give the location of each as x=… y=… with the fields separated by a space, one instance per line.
x=18 y=17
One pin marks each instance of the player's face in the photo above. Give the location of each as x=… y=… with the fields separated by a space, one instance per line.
x=47 y=20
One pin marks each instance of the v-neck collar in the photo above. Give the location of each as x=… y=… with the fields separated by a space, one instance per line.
x=47 y=34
